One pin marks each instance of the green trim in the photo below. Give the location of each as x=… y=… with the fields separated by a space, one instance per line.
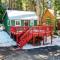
x=12 y=22
x=22 y=22
x=35 y=22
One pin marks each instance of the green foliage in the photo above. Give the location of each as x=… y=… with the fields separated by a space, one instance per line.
x=19 y=4
x=48 y=21
x=25 y=4
x=2 y=11
x=57 y=4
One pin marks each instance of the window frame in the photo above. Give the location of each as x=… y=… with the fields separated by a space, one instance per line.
x=19 y=22
x=31 y=21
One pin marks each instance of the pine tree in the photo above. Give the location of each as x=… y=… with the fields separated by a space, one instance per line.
x=2 y=12
x=19 y=5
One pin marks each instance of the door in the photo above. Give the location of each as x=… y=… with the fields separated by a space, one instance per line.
x=17 y=22
x=26 y=22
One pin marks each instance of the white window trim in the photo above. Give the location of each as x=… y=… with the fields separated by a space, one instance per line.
x=31 y=21
x=19 y=21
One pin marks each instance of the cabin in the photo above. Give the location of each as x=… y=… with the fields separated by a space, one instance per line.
x=19 y=18
x=49 y=18
x=23 y=28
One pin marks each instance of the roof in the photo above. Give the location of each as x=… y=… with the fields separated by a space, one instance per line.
x=51 y=11
x=15 y=14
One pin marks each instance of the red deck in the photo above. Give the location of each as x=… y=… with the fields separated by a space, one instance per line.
x=26 y=34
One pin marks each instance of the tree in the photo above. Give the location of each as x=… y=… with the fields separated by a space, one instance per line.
x=41 y=6
x=56 y=9
x=19 y=4
x=57 y=4
x=28 y=5
x=2 y=12
x=0 y=1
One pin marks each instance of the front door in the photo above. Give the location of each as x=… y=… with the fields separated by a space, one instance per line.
x=26 y=23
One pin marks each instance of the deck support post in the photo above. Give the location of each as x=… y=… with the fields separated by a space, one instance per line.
x=51 y=38
x=33 y=40
x=43 y=40
x=17 y=38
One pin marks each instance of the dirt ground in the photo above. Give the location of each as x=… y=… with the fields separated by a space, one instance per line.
x=34 y=54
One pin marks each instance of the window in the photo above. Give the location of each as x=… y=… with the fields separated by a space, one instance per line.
x=31 y=22
x=12 y=22
x=17 y=22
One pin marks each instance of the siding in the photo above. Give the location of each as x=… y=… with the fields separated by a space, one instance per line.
x=35 y=22
x=13 y=22
x=5 y=23
x=22 y=22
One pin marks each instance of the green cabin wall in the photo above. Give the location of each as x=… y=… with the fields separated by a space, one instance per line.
x=35 y=22
x=7 y=25
x=31 y=23
x=13 y=22
x=22 y=22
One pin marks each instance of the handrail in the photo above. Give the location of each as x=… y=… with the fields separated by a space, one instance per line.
x=25 y=35
x=18 y=28
x=32 y=29
x=45 y=28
